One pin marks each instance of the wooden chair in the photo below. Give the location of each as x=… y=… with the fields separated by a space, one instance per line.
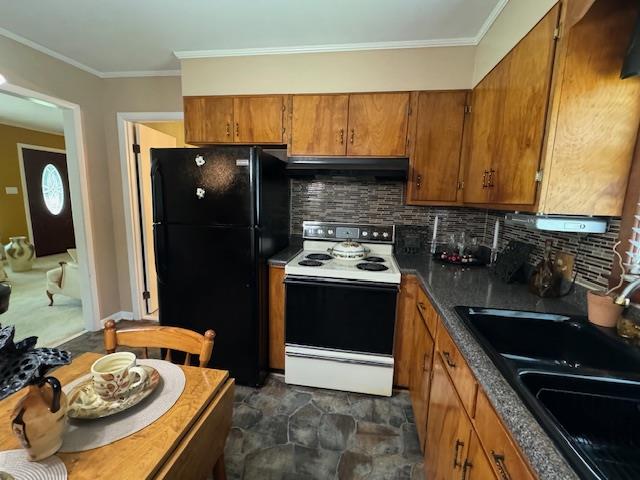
x=171 y=338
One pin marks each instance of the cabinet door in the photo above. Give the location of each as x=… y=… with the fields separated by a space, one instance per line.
x=276 y=318
x=258 y=119
x=404 y=337
x=319 y=124
x=378 y=124
x=208 y=119
x=422 y=365
x=435 y=163
x=448 y=429
x=525 y=94
x=476 y=466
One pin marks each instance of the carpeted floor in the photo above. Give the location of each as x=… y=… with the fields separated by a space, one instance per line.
x=29 y=310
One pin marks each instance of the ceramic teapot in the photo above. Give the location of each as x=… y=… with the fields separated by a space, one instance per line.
x=39 y=419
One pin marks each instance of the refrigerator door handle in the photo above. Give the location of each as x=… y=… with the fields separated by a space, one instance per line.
x=160 y=247
x=157 y=192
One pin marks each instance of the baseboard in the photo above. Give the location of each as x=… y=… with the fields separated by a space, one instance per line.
x=117 y=316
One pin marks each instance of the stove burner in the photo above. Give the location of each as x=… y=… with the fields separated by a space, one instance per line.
x=374 y=259
x=310 y=263
x=372 y=267
x=319 y=256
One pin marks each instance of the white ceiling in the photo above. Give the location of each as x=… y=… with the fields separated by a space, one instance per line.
x=20 y=112
x=124 y=37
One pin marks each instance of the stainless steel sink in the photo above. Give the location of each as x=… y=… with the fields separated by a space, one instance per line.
x=580 y=381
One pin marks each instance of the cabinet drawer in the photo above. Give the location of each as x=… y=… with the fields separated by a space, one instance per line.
x=458 y=369
x=427 y=312
x=503 y=455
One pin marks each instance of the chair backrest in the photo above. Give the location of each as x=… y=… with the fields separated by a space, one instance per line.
x=170 y=338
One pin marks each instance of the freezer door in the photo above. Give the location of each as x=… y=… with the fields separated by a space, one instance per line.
x=207 y=280
x=204 y=186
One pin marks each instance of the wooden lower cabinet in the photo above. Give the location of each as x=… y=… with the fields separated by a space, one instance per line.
x=420 y=379
x=276 y=317
x=403 y=339
x=448 y=428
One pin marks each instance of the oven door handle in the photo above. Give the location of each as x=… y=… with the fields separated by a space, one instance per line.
x=336 y=359
x=355 y=284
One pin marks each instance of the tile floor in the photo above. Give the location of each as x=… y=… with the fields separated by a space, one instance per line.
x=287 y=432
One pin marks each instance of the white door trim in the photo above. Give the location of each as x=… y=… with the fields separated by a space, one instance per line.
x=77 y=173
x=23 y=180
x=125 y=121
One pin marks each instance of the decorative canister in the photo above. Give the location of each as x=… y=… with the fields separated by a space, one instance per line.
x=39 y=419
x=20 y=253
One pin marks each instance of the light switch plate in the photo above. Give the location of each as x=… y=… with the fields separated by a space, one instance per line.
x=11 y=190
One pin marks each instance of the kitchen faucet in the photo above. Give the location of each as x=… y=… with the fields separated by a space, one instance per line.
x=623 y=298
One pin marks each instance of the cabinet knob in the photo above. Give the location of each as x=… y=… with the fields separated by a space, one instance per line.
x=342 y=136
x=237 y=129
x=353 y=135
x=418 y=181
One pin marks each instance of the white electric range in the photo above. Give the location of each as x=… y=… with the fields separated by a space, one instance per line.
x=341 y=296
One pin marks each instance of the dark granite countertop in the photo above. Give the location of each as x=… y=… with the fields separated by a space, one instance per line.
x=282 y=257
x=450 y=286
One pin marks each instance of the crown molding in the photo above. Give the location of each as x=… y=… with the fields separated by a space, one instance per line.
x=493 y=16
x=141 y=73
x=341 y=47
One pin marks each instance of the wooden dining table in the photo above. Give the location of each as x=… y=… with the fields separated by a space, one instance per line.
x=187 y=442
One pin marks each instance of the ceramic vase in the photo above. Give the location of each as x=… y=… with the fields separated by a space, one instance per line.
x=40 y=418
x=20 y=253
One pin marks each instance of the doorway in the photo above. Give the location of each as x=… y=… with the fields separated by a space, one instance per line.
x=65 y=183
x=138 y=133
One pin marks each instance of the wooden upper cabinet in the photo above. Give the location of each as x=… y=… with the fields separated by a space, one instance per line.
x=258 y=119
x=319 y=124
x=594 y=115
x=508 y=118
x=208 y=119
x=435 y=162
x=525 y=92
x=448 y=429
x=378 y=124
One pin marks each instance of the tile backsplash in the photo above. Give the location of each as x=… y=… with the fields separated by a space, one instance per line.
x=358 y=200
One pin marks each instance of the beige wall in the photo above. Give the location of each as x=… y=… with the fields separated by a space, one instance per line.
x=373 y=70
x=13 y=218
x=513 y=23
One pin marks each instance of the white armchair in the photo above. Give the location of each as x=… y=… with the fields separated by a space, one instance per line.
x=64 y=279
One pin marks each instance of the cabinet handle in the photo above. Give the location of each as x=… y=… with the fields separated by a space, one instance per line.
x=484 y=179
x=237 y=129
x=425 y=362
x=447 y=358
x=465 y=468
x=456 y=463
x=341 y=136
x=491 y=172
x=418 y=181
x=498 y=459
x=228 y=129
x=353 y=135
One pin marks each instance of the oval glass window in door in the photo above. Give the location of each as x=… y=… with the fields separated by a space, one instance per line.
x=52 y=189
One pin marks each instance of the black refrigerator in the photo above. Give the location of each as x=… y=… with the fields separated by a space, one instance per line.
x=219 y=213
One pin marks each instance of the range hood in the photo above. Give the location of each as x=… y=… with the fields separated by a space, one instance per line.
x=379 y=167
x=558 y=223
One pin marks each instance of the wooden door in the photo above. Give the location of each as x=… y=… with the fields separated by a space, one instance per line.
x=208 y=119
x=47 y=182
x=378 y=124
x=420 y=382
x=148 y=138
x=435 y=164
x=258 y=119
x=319 y=124
x=485 y=119
x=276 y=317
x=525 y=95
x=448 y=428
x=476 y=466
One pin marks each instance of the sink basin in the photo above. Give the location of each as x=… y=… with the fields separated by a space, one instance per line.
x=598 y=416
x=556 y=339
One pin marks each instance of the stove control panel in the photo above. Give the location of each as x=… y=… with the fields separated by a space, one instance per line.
x=346 y=231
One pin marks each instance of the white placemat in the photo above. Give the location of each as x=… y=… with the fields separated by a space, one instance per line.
x=16 y=463
x=87 y=434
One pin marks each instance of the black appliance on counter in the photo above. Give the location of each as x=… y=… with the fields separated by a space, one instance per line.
x=219 y=214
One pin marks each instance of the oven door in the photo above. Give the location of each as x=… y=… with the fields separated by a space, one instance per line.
x=335 y=314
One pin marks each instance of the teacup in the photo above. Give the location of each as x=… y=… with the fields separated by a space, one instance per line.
x=114 y=375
